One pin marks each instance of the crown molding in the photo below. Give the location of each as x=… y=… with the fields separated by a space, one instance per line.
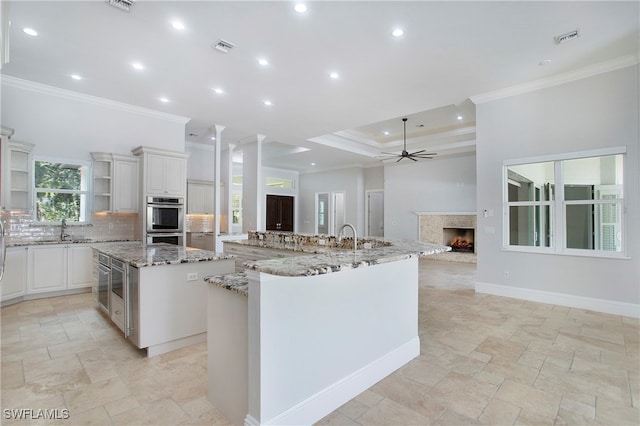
x=555 y=80
x=19 y=83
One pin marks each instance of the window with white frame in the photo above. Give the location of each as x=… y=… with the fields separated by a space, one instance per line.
x=60 y=190
x=573 y=204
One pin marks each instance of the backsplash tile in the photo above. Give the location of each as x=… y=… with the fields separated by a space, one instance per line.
x=21 y=228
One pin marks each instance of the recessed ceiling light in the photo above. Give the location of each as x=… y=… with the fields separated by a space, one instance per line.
x=268 y=103
x=263 y=62
x=398 y=32
x=213 y=138
x=334 y=75
x=300 y=7
x=75 y=77
x=30 y=31
x=313 y=164
x=459 y=117
x=544 y=62
x=137 y=65
x=164 y=100
x=386 y=132
x=218 y=91
x=177 y=25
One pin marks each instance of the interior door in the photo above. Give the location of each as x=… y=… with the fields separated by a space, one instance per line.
x=375 y=214
x=280 y=213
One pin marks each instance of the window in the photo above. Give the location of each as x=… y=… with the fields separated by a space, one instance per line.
x=60 y=191
x=572 y=205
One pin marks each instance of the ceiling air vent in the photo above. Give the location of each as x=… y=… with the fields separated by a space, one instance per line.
x=563 y=38
x=121 y=4
x=223 y=46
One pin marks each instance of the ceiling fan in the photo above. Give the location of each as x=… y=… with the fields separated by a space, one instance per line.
x=414 y=156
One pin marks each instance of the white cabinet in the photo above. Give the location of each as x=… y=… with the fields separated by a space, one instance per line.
x=47 y=269
x=125 y=184
x=14 y=282
x=115 y=183
x=79 y=267
x=16 y=175
x=200 y=195
x=165 y=175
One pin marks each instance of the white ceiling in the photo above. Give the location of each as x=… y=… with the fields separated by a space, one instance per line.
x=450 y=51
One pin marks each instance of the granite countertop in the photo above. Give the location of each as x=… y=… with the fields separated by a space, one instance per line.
x=335 y=260
x=24 y=243
x=321 y=260
x=140 y=255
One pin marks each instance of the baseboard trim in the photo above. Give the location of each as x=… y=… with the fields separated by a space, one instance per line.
x=329 y=399
x=183 y=342
x=569 y=300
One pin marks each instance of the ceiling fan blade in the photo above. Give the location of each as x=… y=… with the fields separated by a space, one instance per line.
x=418 y=152
x=411 y=158
x=398 y=160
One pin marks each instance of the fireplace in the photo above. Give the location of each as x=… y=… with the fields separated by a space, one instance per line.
x=459 y=239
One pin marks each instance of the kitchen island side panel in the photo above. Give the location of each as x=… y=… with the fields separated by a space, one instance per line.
x=316 y=342
x=173 y=301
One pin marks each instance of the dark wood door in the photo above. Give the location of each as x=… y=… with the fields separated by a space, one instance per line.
x=280 y=213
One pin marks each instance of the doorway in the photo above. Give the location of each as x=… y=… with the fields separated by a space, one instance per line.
x=280 y=213
x=330 y=212
x=375 y=213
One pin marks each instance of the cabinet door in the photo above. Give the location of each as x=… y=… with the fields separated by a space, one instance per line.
x=125 y=186
x=155 y=174
x=80 y=266
x=14 y=282
x=200 y=198
x=47 y=269
x=175 y=176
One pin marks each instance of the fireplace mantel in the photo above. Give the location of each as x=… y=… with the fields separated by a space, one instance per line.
x=431 y=230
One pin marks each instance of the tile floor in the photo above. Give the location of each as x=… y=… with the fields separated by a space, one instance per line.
x=484 y=360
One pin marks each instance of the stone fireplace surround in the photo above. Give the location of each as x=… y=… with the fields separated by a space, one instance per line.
x=431 y=230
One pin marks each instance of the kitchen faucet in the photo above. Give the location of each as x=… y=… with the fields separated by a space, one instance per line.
x=63 y=226
x=355 y=235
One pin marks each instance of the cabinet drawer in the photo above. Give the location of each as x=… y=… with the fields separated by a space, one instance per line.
x=117 y=312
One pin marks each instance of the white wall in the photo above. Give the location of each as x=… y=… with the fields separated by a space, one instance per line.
x=439 y=185
x=592 y=113
x=350 y=181
x=201 y=161
x=374 y=178
x=68 y=127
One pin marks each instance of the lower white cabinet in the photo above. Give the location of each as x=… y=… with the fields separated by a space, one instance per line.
x=47 y=269
x=79 y=267
x=14 y=282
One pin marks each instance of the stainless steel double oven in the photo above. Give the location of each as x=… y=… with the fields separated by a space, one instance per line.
x=165 y=220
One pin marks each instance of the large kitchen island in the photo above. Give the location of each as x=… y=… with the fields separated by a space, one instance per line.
x=293 y=338
x=155 y=293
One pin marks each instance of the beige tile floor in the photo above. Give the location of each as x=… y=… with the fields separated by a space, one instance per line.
x=484 y=360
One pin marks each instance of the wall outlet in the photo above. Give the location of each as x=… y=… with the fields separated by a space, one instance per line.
x=110 y=226
x=192 y=276
x=367 y=245
x=260 y=236
x=506 y=275
x=322 y=242
x=287 y=239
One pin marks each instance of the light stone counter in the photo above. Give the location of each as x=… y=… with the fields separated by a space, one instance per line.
x=140 y=255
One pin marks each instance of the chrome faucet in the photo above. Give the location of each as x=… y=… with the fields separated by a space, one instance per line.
x=63 y=227
x=355 y=235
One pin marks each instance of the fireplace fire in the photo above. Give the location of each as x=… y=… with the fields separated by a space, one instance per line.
x=459 y=239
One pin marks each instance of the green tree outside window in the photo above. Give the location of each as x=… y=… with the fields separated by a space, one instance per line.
x=60 y=191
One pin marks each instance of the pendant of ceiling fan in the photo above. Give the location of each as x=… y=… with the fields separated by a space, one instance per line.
x=414 y=156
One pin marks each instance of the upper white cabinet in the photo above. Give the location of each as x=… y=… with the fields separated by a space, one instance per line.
x=164 y=172
x=200 y=195
x=115 y=183
x=17 y=166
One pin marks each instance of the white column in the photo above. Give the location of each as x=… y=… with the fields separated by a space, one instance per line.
x=217 y=186
x=252 y=187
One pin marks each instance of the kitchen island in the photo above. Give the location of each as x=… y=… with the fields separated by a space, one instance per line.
x=160 y=303
x=305 y=334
